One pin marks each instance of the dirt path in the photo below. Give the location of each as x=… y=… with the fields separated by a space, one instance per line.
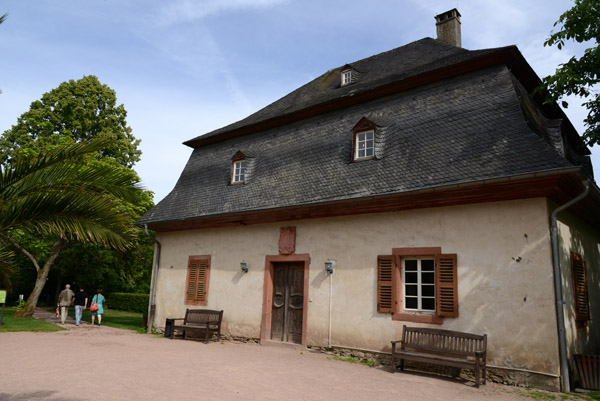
x=104 y=363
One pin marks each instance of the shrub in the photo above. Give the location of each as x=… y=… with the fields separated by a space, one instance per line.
x=128 y=302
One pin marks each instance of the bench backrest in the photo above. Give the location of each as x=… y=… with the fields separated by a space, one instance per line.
x=194 y=316
x=443 y=341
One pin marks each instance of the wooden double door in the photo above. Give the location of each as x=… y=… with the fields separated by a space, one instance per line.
x=288 y=302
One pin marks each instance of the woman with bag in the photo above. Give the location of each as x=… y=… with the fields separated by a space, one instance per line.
x=96 y=307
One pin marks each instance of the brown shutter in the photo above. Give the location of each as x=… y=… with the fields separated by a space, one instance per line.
x=385 y=268
x=446 y=285
x=582 y=309
x=197 y=271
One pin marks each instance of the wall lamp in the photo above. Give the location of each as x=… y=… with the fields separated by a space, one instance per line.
x=330 y=266
x=244 y=267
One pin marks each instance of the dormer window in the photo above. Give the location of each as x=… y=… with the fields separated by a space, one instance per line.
x=364 y=145
x=349 y=75
x=239 y=172
x=364 y=140
x=238 y=168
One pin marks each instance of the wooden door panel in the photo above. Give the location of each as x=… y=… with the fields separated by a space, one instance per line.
x=288 y=302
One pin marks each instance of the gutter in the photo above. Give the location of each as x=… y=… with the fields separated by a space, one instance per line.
x=560 y=313
x=152 y=306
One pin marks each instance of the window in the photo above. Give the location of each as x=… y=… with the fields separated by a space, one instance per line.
x=239 y=172
x=364 y=145
x=418 y=282
x=580 y=292
x=418 y=285
x=197 y=280
x=346 y=77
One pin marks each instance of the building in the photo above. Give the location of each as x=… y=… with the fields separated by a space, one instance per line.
x=412 y=187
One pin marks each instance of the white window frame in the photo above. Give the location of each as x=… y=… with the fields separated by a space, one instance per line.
x=239 y=172
x=420 y=286
x=346 y=77
x=358 y=140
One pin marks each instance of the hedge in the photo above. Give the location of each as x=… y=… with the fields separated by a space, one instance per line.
x=128 y=302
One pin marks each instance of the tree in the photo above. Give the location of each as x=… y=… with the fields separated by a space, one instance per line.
x=53 y=194
x=75 y=112
x=578 y=76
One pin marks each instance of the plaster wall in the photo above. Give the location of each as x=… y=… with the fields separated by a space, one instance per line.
x=505 y=283
x=576 y=236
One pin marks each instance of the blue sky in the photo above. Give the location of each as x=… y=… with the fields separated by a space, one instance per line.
x=183 y=68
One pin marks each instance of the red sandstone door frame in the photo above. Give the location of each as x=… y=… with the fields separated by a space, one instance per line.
x=270 y=260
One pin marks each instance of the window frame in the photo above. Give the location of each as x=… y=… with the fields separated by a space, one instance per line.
x=201 y=301
x=357 y=143
x=390 y=287
x=346 y=77
x=419 y=297
x=238 y=175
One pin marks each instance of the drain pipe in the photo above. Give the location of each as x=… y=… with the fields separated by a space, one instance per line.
x=153 y=285
x=560 y=313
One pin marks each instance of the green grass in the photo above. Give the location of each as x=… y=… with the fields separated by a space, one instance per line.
x=10 y=323
x=114 y=318
x=356 y=360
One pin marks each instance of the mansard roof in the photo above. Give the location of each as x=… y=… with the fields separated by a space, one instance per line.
x=444 y=117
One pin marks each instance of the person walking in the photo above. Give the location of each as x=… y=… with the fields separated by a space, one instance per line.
x=98 y=300
x=81 y=299
x=65 y=299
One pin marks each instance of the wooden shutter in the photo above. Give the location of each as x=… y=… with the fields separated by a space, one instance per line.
x=582 y=309
x=385 y=267
x=446 y=283
x=197 y=275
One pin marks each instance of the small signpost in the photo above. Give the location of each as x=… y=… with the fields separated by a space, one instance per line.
x=3 y=302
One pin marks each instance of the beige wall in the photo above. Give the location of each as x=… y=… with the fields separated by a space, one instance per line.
x=504 y=268
x=576 y=236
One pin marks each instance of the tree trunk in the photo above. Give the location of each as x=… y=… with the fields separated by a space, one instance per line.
x=40 y=282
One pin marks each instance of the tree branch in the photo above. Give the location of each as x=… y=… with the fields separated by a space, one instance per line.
x=5 y=237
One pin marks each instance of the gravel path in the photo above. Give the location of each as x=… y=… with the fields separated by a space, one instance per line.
x=104 y=363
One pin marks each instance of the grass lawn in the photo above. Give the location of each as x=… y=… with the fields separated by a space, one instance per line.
x=10 y=323
x=112 y=318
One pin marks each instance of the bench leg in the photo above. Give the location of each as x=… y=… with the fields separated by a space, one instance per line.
x=477 y=371
x=172 y=333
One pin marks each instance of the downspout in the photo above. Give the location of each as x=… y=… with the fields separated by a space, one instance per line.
x=152 y=307
x=560 y=313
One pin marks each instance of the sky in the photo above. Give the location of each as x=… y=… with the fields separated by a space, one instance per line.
x=183 y=68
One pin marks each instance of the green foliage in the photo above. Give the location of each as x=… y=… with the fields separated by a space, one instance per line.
x=93 y=187
x=578 y=76
x=128 y=302
x=76 y=111
x=11 y=324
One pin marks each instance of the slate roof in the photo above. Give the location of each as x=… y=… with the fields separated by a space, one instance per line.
x=467 y=128
x=395 y=65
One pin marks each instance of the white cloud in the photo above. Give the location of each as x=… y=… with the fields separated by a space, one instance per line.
x=190 y=10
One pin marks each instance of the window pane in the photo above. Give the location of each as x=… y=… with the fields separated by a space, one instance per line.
x=369 y=135
x=411 y=290
x=410 y=278
x=427 y=278
x=427 y=265
x=410 y=265
x=428 y=291
x=370 y=152
x=428 y=303
x=361 y=153
x=411 y=303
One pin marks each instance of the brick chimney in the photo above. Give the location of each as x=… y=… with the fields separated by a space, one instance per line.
x=448 y=27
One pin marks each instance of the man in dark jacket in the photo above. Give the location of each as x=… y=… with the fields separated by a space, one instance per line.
x=81 y=299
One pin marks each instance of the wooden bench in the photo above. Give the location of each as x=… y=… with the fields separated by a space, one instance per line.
x=203 y=320
x=442 y=347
